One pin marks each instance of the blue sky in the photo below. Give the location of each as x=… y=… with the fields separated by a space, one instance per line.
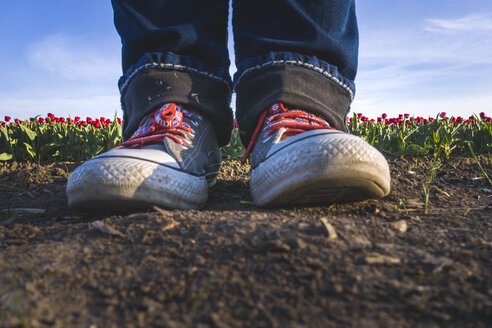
x=418 y=57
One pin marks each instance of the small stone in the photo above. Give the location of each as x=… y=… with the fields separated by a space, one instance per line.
x=301 y=244
x=401 y=225
x=277 y=246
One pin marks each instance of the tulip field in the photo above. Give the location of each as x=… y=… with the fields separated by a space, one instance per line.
x=59 y=138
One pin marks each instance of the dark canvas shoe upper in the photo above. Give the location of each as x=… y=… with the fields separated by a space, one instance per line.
x=279 y=127
x=175 y=137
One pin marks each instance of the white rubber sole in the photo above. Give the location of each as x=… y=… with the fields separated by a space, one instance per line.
x=119 y=182
x=321 y=170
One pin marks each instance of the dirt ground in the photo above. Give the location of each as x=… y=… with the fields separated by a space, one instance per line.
x=377 y=263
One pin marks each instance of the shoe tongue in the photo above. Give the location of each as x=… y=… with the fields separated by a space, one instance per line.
x=168 y=117
x=173 y=116
x=277 y=108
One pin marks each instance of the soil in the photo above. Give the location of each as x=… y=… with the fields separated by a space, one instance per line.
x=376 y=263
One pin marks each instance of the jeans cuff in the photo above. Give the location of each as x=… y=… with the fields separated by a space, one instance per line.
x=154 y=82
x=171 y=61
x=294 y=85
x=277 y=58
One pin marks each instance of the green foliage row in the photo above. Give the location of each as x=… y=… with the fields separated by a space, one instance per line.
x=411 y=137
x=55 y=141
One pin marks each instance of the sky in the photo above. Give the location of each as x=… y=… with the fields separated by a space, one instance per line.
x=420 y=57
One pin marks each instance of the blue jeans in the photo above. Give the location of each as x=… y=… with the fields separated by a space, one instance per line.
x=299 y=52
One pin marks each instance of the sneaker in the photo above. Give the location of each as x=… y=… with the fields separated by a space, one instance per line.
x=170 y=161
x=297 y=158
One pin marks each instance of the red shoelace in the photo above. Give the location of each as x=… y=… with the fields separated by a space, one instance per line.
x=295 y=121
x=166 y=122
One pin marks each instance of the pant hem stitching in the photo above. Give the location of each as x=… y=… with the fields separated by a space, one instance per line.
x=300 y=63
x=169 y=66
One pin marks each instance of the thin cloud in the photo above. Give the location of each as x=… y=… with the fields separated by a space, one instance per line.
x=75 y=59
x=480 y=22
x=465 y=40
x=424 y=46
